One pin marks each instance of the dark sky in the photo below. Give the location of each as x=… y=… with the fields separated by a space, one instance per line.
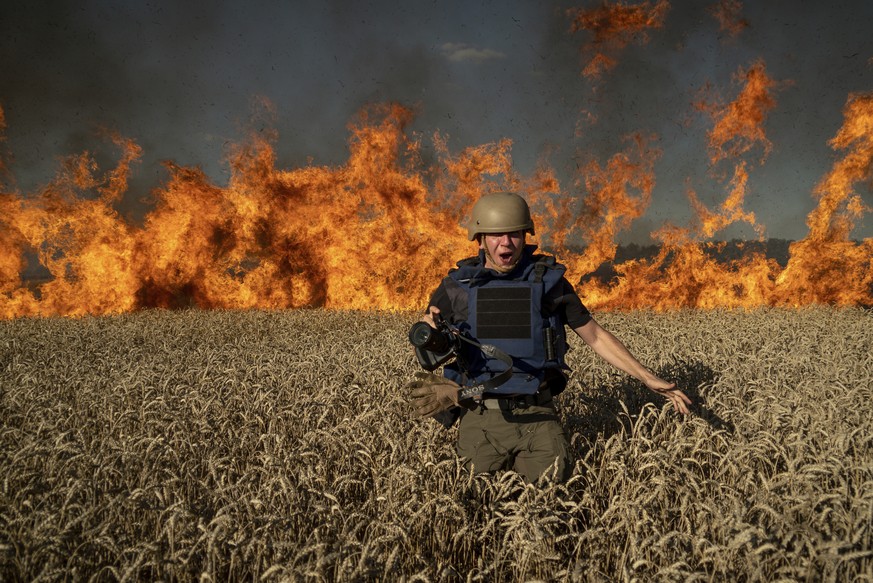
x=181 y=78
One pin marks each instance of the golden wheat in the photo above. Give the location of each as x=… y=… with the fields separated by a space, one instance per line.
x=277 y=446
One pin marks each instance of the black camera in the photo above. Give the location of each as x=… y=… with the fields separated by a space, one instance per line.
x=433 y=346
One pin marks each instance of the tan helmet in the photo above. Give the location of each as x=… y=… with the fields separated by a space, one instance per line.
x=500 y=212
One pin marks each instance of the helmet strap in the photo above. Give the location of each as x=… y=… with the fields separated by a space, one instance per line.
x=494 y=265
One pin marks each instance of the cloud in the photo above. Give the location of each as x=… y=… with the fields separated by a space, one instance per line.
x=459 y=52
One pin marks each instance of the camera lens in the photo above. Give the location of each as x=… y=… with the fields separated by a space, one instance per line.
x=421 y=335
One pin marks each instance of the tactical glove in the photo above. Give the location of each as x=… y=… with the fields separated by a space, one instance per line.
x=432 y=394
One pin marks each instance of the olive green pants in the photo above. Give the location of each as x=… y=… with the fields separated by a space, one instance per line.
x=528 y=440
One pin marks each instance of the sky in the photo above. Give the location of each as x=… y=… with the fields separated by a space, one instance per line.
x=183 y=79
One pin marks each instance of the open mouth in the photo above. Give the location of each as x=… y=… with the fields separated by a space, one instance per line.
x=506 y=257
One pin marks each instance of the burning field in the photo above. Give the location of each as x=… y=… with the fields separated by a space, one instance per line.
x=213 y=390
x=377 y=231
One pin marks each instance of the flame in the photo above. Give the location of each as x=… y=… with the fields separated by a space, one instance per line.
x=618 y=193
x=381 y=229
x=737 y=128
x=686 y=272
x=739 y=125
x=352 y=237
x=827 y=266
x=82 y=242
x=728 y=14
x=615 y=25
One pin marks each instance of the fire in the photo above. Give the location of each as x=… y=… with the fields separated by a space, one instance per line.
x=686 y=272
x=82 y=242
x=353 y=237
x=739 y=125
x=827 y=266
x=728 y=15
x=618 y=193
x=357 y=236
x=381 y=229
x=615 y=25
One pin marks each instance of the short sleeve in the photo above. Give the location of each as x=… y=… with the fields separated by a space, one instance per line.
x=564 y=299
x=440 y=299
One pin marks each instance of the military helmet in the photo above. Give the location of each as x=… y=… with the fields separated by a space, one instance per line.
x=500 y=212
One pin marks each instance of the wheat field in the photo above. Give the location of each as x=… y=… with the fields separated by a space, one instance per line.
x=277 y=446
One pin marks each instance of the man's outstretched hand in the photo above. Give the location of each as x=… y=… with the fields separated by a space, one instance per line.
x=666 y=389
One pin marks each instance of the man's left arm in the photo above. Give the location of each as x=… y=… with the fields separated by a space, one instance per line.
x=610 y=349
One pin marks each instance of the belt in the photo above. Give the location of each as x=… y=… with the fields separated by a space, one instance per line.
x=510 y=402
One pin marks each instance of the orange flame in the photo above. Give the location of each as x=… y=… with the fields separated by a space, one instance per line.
x=686 y=272
x=617 y=194
x=739 y=125
x=728 y=14
x=615 y=25
x=380 y=230
x=81 y=242
x=312 y=236
x=827 y=266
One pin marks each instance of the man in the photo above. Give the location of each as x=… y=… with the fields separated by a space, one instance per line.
x=505 y=305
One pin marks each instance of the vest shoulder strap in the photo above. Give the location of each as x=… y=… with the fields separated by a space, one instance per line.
x=466 y=262
x=544 y=264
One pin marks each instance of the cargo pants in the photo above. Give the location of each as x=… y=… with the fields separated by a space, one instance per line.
x=504 y=435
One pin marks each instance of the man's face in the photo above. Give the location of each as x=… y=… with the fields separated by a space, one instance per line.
x=502 y=250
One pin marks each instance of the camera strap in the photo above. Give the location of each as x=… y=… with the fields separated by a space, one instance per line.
x=491 y=351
